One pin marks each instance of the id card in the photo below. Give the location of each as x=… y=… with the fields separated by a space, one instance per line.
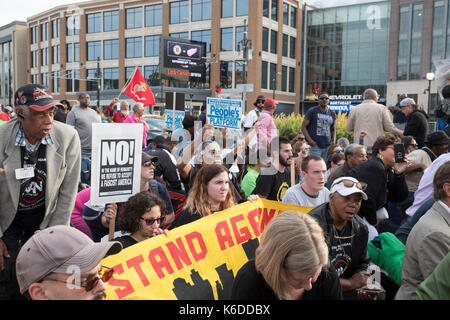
x=24 y=173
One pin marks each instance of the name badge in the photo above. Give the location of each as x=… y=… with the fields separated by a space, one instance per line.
x=24 y=173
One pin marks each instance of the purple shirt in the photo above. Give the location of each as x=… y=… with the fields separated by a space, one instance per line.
x=425 y=190
x=267 y=131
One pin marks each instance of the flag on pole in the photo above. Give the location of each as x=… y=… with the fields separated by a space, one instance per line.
x=138 y=89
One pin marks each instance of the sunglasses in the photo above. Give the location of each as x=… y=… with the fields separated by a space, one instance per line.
x=350 y=184
x=150 y=163
x=150 y=222
x=103 y=275
x=338 y=151
x=414 y=145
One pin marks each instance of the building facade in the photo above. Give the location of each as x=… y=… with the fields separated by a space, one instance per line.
x=69 y=46
x=13 y=60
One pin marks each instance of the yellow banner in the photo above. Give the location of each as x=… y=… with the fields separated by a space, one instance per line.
x=196 y=261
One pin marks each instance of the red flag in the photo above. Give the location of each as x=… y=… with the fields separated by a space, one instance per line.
x=138 y=90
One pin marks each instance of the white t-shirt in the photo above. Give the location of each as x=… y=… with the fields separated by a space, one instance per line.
x=296 y=195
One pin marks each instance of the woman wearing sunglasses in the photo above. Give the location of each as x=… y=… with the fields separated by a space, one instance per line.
x=210 y=193
x=384 y=177
x=141 y=216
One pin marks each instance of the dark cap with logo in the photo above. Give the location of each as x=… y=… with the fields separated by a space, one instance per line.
x=35 y=96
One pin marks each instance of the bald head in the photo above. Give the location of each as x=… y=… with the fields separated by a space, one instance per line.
x=370 y=94
x=124 y=105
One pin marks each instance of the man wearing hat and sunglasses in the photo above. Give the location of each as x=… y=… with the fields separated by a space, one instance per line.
x=40 y=163
x=62 y=263
x=345 y=232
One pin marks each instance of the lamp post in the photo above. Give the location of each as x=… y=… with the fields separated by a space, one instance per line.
x=430 y=77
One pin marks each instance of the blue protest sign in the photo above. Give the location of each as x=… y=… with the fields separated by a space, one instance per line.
x=224 y=113
x=179 y=116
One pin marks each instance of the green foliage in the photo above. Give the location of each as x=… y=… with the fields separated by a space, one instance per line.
x=292 y=123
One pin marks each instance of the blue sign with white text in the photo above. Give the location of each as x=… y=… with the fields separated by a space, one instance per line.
x=224 y=113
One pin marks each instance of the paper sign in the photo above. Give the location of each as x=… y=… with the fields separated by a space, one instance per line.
x=177 y=115
x=224 y=113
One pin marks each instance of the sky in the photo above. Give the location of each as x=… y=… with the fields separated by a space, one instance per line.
x=22 y=9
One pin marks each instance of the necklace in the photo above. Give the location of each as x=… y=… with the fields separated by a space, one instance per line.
x=339 y=240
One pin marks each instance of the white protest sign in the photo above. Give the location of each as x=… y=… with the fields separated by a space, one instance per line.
x=224 y=113
x=174 y=114
x=116 y=161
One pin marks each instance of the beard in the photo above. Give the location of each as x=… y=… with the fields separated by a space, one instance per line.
x=284 y=162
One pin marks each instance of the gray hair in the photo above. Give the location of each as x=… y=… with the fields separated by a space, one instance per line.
x=370 y=94
x=350 y=150
x=343 y=142
x=137 y=106
x=25 y=108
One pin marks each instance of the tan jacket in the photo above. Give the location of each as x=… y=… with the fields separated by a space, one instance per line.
x=427 y=244
x=63 y=174
x=371 y=117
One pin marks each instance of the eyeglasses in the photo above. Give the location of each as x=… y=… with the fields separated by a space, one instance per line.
x=415 y=145
x=103 y=275
x=350 y=184
x=150 y=222
x=338 y=151
x=150 y=163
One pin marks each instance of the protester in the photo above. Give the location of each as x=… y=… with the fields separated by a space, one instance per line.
x=381 y=174
x=437 y=285
x=4 y=116
x=32 y=199
x=336 y=160
x=63 y=110
x=136 y=117
x=300 y=150
x=202 y=116
x=184 y=136
x=267 y=130
x=210 y=193
x=371 y=117
x=417 y=123
x=291 y=263
x=62 y=263
x=437 y=144
x=400 y=118
x=343 y=142
x=319 y=128
x=346 y=234
x=253 y=116
x=81 y=118
x=141 y=216
x=354 y=154
x=275 y=179
x=312 y=191
x=248 y=183
x=76 y=219
x=429 y=240
x=119 y=117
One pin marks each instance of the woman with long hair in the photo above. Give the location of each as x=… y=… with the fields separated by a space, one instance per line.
x=291 y=263
x=210 y=193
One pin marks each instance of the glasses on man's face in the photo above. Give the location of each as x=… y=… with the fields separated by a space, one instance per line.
x=150 y=221
x=338 y=151
x=350 y=184
x=90 y=284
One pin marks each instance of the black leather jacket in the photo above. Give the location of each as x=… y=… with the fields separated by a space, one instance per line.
x=359 y=256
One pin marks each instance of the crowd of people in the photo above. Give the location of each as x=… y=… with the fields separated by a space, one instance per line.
x=359 y=192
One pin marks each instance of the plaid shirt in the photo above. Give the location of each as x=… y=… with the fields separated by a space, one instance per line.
x=20 y=140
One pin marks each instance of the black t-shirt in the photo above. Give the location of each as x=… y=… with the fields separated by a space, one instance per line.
x=186 y=216
x=341 y=249
x=273 y=186
x=249 y=284
x=126 y=241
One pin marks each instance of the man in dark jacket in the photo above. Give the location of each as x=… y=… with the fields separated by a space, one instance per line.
x=417 y=124
x=345 y=232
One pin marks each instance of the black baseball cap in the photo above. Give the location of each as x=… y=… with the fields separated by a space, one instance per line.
x=437 y=138
x=147 y=159
x=35 y=96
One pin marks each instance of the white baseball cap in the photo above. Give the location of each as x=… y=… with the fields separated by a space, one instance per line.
x=347 y=186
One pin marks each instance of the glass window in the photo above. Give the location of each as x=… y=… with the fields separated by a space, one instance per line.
x=94 y=50
x=69 y=81
x=414 y=72
x=404 y=19
x=201 y=10
x=239 y=35
x=292 y=47
x=274 y=10
x=91 y=78
x=285 y=45
x=264 y=71
x=203 y=36
x=241 y=8
x=44 y=31
x=110 y=78
x=152 y=46
x=180 y=35
x=45 y=80
x=265 y=39
x=76 y=52
x=293 y=21
x=284 y=77
x=238 y=73
x=55 y=28
x=133 y=47
x=134 y=18
x=94 y=22
x=111 y=20
x=273 y=73
x=44 y=57
x=55 y=78
x=111 y=49
x=69 y=52
x=227 y=8
x=55 y=54
x=151 y=74
x=153 y=15
x=285 y=13
x=226 y=42
x=226 y=74
x=291 y=79
x=129 y=71
x=34 y=35
x=179 y=12
x=266 y=8
x=402 y=70
x=417 y=18
x=273 y=41
x=73 y=25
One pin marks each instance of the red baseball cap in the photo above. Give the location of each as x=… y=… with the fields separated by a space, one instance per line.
x=270 y=102
x=35 y=96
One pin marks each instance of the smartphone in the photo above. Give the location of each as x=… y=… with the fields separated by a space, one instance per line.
x=399 y=150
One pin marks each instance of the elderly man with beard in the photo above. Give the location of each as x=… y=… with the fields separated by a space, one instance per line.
x=346 y=233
